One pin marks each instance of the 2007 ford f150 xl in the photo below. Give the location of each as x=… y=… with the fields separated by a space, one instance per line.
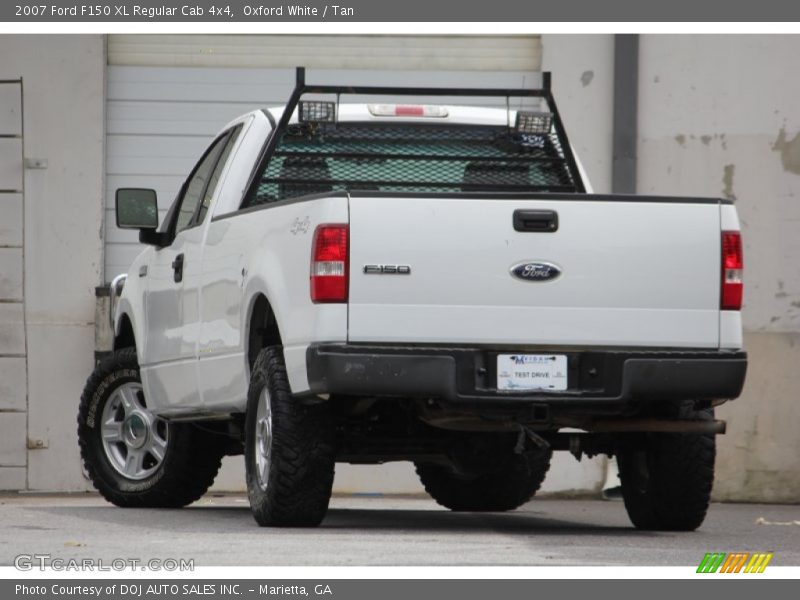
x=436 y=283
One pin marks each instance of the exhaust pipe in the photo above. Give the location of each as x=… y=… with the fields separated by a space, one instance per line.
x=715 y=427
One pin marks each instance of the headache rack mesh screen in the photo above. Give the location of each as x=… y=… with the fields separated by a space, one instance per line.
x=336 y=157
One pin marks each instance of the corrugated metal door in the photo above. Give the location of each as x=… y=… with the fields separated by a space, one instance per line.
x=169 y=94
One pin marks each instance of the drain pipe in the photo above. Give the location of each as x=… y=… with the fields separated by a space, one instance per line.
x=626 y=111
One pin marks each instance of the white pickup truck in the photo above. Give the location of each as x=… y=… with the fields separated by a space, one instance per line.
x=436 y=283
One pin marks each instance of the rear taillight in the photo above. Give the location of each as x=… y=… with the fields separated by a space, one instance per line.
x=329 y=264
x=732 y=265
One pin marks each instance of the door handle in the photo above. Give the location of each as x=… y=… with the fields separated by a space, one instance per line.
x=544 y=221
x=177 y=267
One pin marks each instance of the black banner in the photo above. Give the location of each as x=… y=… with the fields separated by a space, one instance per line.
x=344 y=11
x=383 y=589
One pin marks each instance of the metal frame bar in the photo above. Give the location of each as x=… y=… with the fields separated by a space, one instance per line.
x=427 y=157
x=427 y=184
x=301 y=88
x=114 y=291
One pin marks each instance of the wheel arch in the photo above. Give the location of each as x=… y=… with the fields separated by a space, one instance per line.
x=124 y=337
x=262 y=327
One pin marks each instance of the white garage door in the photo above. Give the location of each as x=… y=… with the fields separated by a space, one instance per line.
x=168 y=95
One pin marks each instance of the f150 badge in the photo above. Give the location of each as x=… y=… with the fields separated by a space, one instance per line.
x=387 y=270
x=535 y=271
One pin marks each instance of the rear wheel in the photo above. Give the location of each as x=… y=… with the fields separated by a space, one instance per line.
x=134 y=458
x=509 y=483
x=667 y=479
x=289 y=449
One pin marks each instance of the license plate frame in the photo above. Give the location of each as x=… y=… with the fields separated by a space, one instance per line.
x=532 y=372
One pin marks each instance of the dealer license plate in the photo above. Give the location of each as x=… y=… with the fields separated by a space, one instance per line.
x=531 y=372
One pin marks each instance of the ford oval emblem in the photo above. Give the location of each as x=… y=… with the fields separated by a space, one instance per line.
x=535 y=271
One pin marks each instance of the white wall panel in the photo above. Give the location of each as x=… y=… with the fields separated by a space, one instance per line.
x=10 y=108
x=431 y=52
x=13 y=383
x=10 y=219
x=12 y=439
x=12 y=329
x=10 y=164
x=11 y=274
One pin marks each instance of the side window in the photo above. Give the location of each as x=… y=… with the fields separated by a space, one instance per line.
x=214 y=180
x=199 y=181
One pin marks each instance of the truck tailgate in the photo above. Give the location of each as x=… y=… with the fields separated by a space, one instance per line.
x=632 y=273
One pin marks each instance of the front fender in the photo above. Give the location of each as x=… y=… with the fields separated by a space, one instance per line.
x=131 y=303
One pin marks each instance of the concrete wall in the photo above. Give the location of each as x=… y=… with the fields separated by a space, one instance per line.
x=63 y=102
x=719 y=116
x=583 y=85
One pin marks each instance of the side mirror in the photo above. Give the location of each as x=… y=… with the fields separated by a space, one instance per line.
x=137 y=208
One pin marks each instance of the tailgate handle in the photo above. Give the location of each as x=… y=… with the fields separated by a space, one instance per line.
x=545 y=221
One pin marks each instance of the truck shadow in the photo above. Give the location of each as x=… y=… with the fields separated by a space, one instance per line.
x=206 y=518
x=523 y=523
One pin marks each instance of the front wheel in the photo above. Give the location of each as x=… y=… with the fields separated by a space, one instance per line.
x=134 y=458
x=289 y=449
x=667 y=479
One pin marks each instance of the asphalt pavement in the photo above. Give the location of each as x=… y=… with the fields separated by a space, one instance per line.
x=218 y=530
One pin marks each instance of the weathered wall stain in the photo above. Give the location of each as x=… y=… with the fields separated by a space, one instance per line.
x=727 y=182
x=790 y=151
x=706 y=139
x=586 y=78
